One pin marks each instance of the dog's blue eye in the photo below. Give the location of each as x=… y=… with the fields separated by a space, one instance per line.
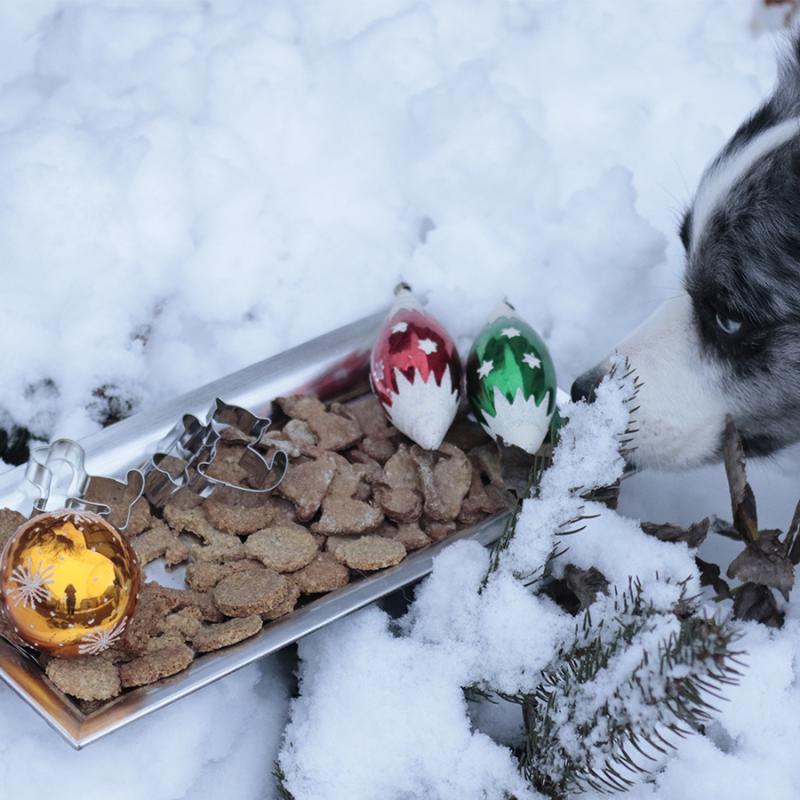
x=728 y=325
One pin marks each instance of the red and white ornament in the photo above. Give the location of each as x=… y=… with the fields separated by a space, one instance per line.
x=416 y=372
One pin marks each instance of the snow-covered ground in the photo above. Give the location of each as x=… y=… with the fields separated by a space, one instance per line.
x=188 y=186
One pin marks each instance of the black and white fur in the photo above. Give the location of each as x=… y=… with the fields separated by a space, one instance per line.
x=730 y=343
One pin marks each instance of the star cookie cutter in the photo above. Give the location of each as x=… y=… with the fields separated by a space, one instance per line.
x=58 y=470
x=185 y=455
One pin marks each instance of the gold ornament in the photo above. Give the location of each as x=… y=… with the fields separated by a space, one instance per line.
x=69 y=583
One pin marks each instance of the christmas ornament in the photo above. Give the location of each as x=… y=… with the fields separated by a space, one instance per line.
x=416 y=372
x=511 y=381
x=69 y=583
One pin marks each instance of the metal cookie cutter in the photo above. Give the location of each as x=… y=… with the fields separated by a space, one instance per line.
x=58 y=474
x=183 y=458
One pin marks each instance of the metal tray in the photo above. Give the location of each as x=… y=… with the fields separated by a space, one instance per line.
x=334 y=366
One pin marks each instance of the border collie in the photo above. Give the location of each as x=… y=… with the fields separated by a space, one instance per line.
x=729 y=344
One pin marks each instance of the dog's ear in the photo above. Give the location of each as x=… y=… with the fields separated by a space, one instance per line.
x=783 y=104
x=786 y=97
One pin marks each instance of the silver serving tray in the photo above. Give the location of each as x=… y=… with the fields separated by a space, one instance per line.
x=334 y=366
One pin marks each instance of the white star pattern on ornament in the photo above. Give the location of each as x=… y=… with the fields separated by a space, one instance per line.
x=95 y=642
x=485 y=368
x=379 y=370
x=510 y=333
x=400 y=327
x=32 y=582
x=428 y=346
x=75 y=516
x=531 y=360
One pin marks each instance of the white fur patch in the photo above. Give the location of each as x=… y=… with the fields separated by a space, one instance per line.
x=682 y=410
x=719 y=178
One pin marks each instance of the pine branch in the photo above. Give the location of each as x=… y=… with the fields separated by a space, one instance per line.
x=592 y=723
x=620 y=371
x=281 y=790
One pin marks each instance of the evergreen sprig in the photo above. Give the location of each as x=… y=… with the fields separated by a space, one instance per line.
x=281 y=790
x=541 y=461
x=587 y=728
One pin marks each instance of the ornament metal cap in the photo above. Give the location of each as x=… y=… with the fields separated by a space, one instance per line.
x=502 y=309
x=404 y=297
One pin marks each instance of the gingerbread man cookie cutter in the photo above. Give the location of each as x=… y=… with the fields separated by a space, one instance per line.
x=58 y=474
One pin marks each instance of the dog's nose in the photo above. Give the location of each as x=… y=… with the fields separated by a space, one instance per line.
x=585 y=386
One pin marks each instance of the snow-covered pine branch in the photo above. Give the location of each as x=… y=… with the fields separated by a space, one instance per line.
x=588 y=458
x=634 y=678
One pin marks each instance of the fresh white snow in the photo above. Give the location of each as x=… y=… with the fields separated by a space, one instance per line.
x=186 y=187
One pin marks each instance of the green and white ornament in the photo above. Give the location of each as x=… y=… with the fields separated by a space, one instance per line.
x=511 y=381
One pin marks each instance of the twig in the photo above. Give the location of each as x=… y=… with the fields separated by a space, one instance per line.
x=743 y=502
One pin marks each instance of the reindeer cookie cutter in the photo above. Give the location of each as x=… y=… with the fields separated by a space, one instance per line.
x=185 y=455
x=58 y=474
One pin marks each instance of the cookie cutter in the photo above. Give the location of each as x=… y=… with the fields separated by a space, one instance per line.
x=182 y=459
x=58 y=473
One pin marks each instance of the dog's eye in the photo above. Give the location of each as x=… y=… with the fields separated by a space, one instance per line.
x=728 y=325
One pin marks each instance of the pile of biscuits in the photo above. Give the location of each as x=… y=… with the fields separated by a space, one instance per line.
x=357 y=497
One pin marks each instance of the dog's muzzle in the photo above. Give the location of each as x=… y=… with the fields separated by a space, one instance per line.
x=681 y=408
x=585 y=386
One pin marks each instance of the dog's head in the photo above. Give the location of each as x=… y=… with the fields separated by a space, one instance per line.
x=729 y=344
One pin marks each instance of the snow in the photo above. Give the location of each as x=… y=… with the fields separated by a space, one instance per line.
x=187 y=187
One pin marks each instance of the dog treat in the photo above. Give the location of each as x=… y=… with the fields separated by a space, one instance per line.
x=151 y=609
x=164 y=641
x=155 y=665
x=227 y=464
x=487 y=460
x=323 y=574
x=300 y=435
x=373 y=472
x=400 y=505
x=333 y=431
x=224 y=634
x=205 y=575
x=117 y=498
x=179 y=599
x=215 y=546
x=438 y=530
x=240 y=519
x=333 y=543
x=445 y=483
x=400 y=471
x=251 y=592
x=286 y=605
x=277 y=440
x=381 y=449
x=184 y=623
x=85 y=677
x=9 y=522
x=306 y=483
x=344 y=515
x=284 y=548
x=349 y=479
x=410 y=535
x=481 y=501
x=370 y=553
x=370 y=416
x=157 y=542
